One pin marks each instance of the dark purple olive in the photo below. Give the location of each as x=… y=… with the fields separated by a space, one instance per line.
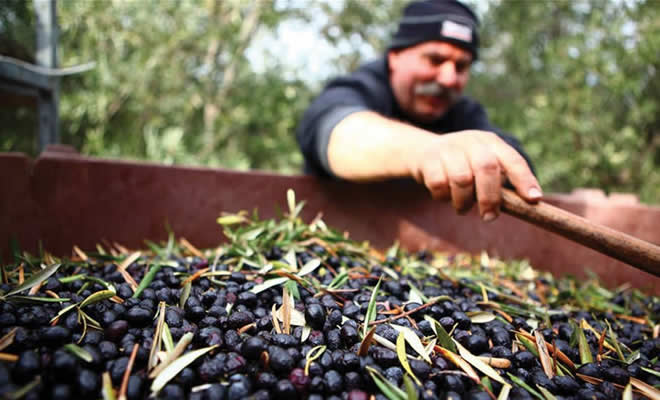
x=285 y=390
x=299 y=380
x=239 y=319
x=253 y=347
x=524 y=359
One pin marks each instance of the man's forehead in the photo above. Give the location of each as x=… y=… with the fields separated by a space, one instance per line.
x=444 y=49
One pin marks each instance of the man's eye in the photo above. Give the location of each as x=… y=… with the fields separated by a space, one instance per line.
x=434 y=60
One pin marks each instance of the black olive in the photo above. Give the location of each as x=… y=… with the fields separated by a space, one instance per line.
x=394 y=375
x=28 y=365
x=333 y=381
x=566 y=384
x=88 y=382
x=280 y=360
x=253 y=347
x=171 y=391
x=616 y=375
x=135 y=387
x=477 y=344
x=234 y=363
x=139 y=316
x=239 y=387
x=524 y=359
x=349 y=334
x=239 y=319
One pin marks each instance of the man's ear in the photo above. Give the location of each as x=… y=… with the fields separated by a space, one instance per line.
x=392 y=57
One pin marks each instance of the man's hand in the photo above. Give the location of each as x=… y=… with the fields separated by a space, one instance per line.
x=366 y=147
x=455 y=165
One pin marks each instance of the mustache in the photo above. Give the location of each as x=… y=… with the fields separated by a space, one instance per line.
x=437 y=90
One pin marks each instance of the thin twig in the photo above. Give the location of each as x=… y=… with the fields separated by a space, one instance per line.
x=405 y=314
x=127 y=373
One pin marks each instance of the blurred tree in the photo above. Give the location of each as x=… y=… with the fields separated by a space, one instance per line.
x=576 y=81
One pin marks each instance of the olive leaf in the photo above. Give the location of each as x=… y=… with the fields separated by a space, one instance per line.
x=78 y=352
x=146 y=281
x=459 y=362
x=403 y=357
x=390 y=391
x=478 y=364
x=35 y=279
x=413 y=341
x=8 y=338
x=525 y=386
x=97 y=297
x=646 y=389
x=366 y=342
x=309 y=266
x=504 y=392
x=172 y=354
x=167 y=339
x=312 y=355
x=546 y=393
x=443 y=337
x=107 y=392
x=231 y=219
x=546 y=361
x=370 y=315
x=410 y=388
x=583 y=347
x=627 y=392
x=480 y=317
x=185 y=293
x=177 y=366
x=36 y=300
x=268 y=284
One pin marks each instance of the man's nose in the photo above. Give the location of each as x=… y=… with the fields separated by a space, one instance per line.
x=446 y=74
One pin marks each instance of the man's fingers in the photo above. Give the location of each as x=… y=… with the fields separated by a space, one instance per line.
x=516 y=169
x=461 y=179
x=488 y=178
x=435 y=180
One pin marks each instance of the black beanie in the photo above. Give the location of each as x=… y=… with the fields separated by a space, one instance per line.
x=445 y=20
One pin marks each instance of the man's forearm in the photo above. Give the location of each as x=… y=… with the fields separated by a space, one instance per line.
x=366 y=146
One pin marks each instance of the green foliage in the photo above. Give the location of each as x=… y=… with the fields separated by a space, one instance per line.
x=575 y=81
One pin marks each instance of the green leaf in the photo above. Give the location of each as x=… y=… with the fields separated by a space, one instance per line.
x=36 y=300
x=525 y=386
x=78 y=352
x=96 y=297
x=338 y=281
x=388 y=388
x=35 y=279
x=478 y=364
x=371 y=309
x=268 y=284
x=443 y=337
x=167 y=339
x=403 y=357
x=546 y=393
x=227 y=220
x=185 y=293
x=411 y=391
x=177 y=366
x=583 y=347
x=107 y=392
x=416 y=295
x=146 y=281
x=63 y=311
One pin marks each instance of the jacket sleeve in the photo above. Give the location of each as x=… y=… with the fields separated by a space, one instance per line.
x=340 y=98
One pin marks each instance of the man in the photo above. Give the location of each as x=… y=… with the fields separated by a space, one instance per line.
x=382 y=121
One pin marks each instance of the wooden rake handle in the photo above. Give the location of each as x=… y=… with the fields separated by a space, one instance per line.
x=635 y=252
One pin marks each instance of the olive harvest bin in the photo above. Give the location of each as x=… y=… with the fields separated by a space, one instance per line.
x=62 y=199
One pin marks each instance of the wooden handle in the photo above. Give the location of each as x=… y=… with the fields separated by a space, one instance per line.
x=638 y=253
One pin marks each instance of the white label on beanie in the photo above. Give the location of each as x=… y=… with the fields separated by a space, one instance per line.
x=457 y=31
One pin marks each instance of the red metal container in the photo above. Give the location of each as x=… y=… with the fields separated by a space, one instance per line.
x=62 y=199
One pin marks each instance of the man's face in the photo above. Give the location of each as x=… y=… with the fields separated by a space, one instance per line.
x=428 y=78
